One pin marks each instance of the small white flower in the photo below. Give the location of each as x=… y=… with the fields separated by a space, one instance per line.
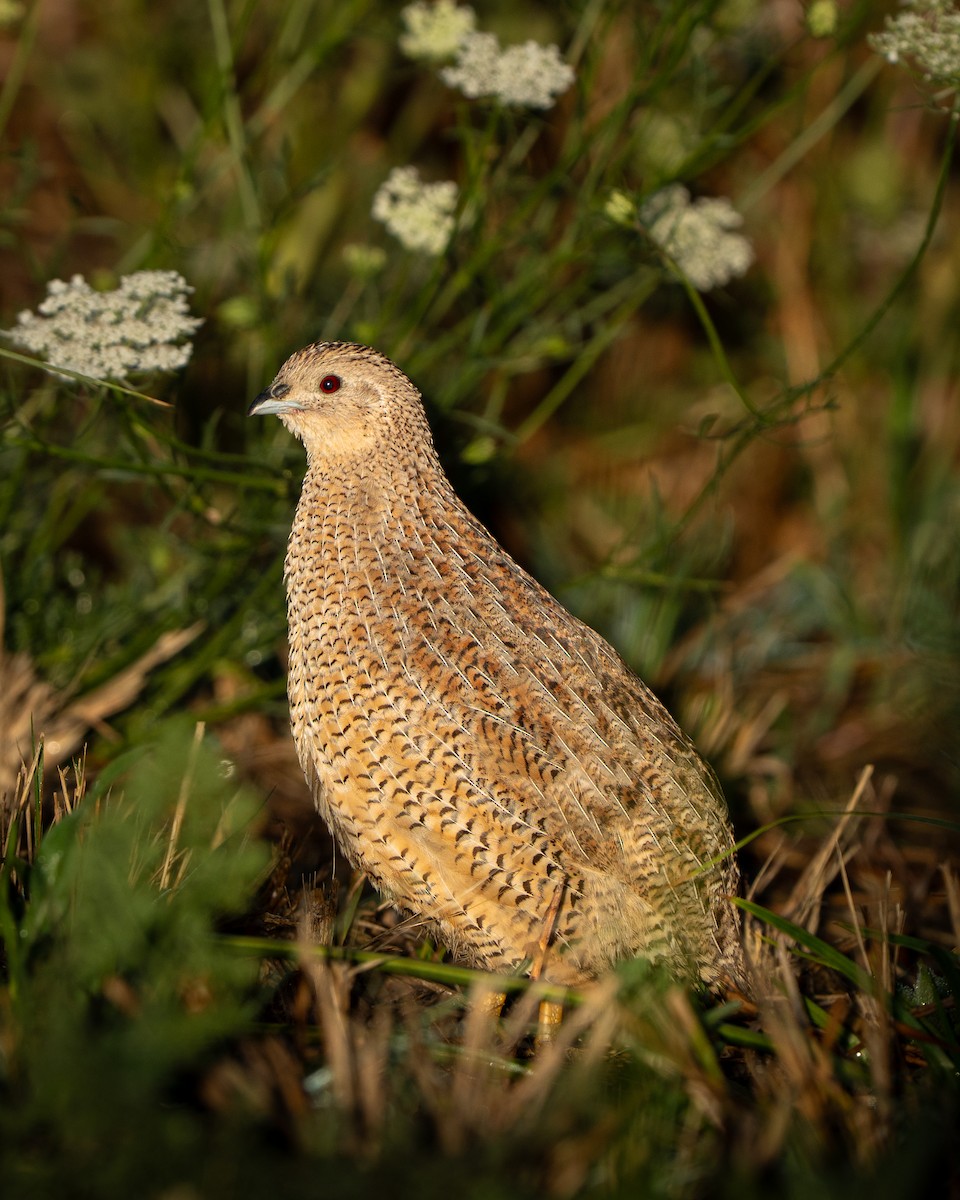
x=435 y=31
x=418 y=214
x=929 y=36
x=527 y=76
x=698 y=236
x=107 y=335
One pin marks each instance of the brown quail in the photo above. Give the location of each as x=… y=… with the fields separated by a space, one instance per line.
x=487 y=759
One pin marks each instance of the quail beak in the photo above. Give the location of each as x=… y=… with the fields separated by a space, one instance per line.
x=273 y=400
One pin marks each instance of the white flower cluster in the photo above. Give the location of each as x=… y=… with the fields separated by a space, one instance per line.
x=525 y=76
x=418 y=214
x=109 y=335
x=698 y=236
x=929 y=36
x=435 y=31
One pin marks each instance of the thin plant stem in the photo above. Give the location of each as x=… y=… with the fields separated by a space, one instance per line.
x=17 y=70
x=779 y=411
x=821 y=125
x=232 y=116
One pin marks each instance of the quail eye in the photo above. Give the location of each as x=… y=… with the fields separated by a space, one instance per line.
x=330 y=383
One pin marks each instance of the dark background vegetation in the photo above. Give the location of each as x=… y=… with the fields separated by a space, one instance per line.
x=767 y=527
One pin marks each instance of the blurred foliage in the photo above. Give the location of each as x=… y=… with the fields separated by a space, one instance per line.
x=116 y=984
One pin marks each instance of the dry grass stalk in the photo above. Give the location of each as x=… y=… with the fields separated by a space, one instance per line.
x=356 y=1054
x=15 y=804
x=801 y=1078
x=806 y=1070
x=485 y=1093
x=805 y=902
x=951 y=885
x=179 y=811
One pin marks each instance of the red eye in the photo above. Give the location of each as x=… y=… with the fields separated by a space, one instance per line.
x=330 y=383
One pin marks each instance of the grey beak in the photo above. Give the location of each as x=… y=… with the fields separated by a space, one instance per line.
x=271 y=400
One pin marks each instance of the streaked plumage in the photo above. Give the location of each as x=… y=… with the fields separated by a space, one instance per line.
x=479 y=752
